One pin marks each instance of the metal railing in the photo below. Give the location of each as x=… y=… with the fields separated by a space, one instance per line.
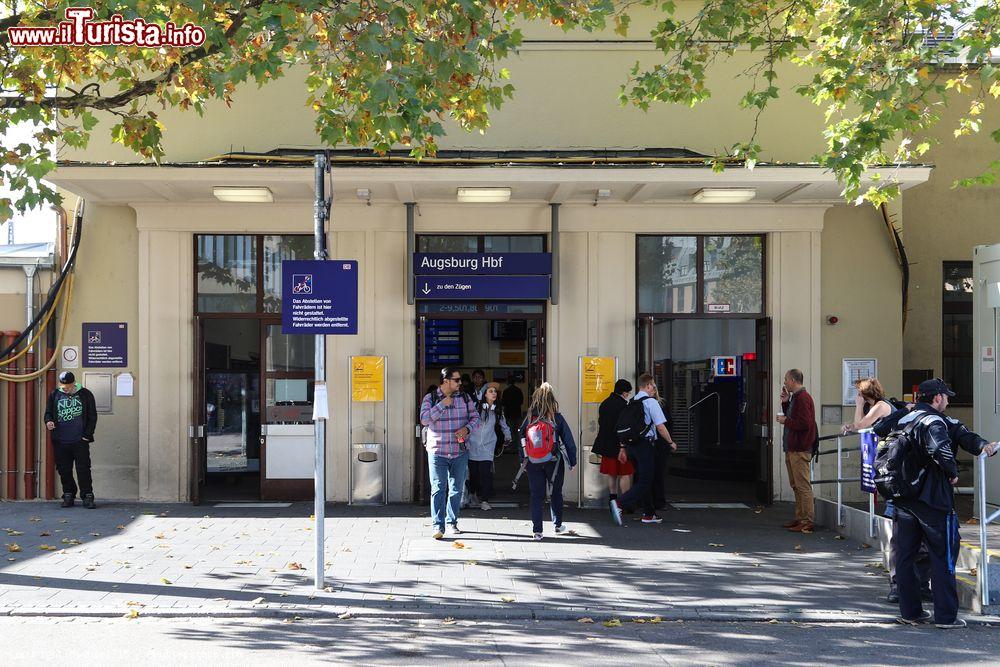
x=842 y=453
x=983 y=573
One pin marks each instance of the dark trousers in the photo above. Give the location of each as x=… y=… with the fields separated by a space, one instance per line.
x=940 y=531
x=481 y=479
x=662 y=456
x=68 y=454
x=922 y=561
x=540 y=474
x=643 y=458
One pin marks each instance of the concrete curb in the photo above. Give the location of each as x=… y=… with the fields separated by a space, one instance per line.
x=507 y=613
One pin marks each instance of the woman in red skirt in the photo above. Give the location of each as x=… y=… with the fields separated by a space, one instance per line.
x=606 y=444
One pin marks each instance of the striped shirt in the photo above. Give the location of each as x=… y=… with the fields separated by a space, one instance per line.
x=443 y=420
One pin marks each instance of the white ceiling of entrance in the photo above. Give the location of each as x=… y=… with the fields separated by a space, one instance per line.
x=628 y=185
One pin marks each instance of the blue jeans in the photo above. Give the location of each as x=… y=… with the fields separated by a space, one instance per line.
x=447 y=481
x=538 y=475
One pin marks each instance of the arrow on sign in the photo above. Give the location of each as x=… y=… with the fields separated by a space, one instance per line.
x=426 y=289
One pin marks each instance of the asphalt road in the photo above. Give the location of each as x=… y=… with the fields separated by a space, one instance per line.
x=194 y=641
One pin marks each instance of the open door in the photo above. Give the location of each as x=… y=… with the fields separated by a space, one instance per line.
x=763 y=419
x=196 y=429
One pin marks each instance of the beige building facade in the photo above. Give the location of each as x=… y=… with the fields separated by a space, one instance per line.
x=820 y=256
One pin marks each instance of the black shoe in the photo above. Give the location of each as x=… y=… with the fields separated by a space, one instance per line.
x=925 y=617
x=88 y=501
x=68 y=500
x=892 y=597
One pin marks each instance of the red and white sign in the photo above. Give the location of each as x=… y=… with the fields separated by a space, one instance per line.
x=724 y=366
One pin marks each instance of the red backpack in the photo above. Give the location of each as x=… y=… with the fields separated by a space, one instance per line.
x=540 y=440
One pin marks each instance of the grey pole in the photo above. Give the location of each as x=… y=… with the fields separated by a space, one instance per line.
x=410 y=248
x=320 y=214
x=554 y=298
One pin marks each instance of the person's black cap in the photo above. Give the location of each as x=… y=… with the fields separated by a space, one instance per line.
x=933 y=387
x=67 y=377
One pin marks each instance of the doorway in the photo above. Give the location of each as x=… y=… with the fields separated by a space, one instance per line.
x=506 y=341
x=714 y=376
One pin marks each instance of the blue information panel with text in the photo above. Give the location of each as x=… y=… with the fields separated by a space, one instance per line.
x=478 y=288
x=482 y=264
x=319 y=297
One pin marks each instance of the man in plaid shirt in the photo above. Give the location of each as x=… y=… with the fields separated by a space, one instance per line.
x=449 y=417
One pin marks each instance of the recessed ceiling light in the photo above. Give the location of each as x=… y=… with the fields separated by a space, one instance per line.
x=724 y=195
x=483 y=195
x=254 y=195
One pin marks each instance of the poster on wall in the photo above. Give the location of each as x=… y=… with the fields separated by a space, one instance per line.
x=105 y=344
x=854 y=370
x=367 y=379
x=869 y=447
x=597 y=377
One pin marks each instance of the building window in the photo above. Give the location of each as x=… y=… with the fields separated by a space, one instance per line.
x=956 y=330
x=700 y=276
x=241 y=273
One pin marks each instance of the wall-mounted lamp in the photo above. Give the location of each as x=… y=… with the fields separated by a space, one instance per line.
x=243 y=194
x=483 y=195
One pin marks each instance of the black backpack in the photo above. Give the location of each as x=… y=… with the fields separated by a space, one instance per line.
x=901 y=463
x=632 y=425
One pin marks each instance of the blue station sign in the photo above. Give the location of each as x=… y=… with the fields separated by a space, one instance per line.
x=481 y=288
x=319 y=296
x=482 y=264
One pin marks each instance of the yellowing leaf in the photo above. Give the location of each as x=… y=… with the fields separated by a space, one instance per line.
x=14 y=533
x=585 y=619
x=295 y=566
x=714 y=544
x=257 y=600
x=506 y=598
x=132 y=613
x=164 y=580
x=612 y=623
x=449 y=621
x=656 y=619
x=46 y=547
x=346 y=615
x=13 y=548
x=459 y=545
x=69 y=540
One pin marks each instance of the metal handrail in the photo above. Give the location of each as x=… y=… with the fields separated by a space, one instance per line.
x=984 y=521
x=718 y=416
x=840 y=480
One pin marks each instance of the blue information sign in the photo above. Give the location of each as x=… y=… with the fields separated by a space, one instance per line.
x=480 y=288
x=319 y=296
x=105 y=344
x=482 y=264
x=869 y=447
x=443 y=342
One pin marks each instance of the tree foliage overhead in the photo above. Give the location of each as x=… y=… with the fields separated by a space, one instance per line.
x=384 y=74
x=880 y=68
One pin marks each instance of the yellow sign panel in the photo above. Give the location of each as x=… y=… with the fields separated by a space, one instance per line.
x=598 y=378
x=367 y=379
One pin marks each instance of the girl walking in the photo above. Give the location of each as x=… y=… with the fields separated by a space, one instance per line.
x=492 y=430
x=548 y=445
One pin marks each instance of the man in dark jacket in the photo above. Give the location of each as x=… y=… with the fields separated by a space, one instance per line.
x=606 y=444
x=797 y=440
x=71 y=416
x=931 y=515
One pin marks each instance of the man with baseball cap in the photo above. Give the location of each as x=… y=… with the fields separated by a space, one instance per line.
x=930 y=516
x=71 y=416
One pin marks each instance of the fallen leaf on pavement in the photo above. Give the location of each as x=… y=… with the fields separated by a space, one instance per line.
x=758 y=509
x=159 y=536
x=69 y=540
x=839 y=537
x=295 y=566
x=131 y=613
x=95 y=534
x=713 y=544
x=865 y=545
x=12 y=559
x=188 y=567
x=573 y=533
x=459 y=545
x=798 y=547
x=34 y=519
x=45 y=533
x=328 y=589
x=346 y=615
x=612 y=623
x=390 y=597
x=134 y=604
x=585 y=619
x=13 y=547
x=506 y=598
x=640 y=621
x=256 y=600
x=972 y=522
x=14 y=533
x=244 y=562
x=472 y=562
x=774 y=621
x=449 y=621
x=63 y=520
x=120 y=526
x=164 y=580
x=656 y=619
x=46 y=547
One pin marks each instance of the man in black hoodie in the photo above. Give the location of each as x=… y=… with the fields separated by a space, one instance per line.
x=71 y=416
x=931 y=515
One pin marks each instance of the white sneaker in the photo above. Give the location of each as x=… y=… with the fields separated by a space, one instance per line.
x=616 y=512
x=537 y=537
x=561 y=528
x=485 y=506
x=453 y=529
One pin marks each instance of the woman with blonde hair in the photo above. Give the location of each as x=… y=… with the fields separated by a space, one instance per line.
x=872 y=396
x=547 y=444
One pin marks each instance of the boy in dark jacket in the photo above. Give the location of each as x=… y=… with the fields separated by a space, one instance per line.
x=71 y=416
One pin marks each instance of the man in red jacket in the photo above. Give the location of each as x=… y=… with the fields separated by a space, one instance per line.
x=797 y=440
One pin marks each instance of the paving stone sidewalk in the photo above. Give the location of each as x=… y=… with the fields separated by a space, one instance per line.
x=182 y=560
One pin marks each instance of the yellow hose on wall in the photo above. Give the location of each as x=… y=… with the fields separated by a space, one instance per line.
x=55 y=352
